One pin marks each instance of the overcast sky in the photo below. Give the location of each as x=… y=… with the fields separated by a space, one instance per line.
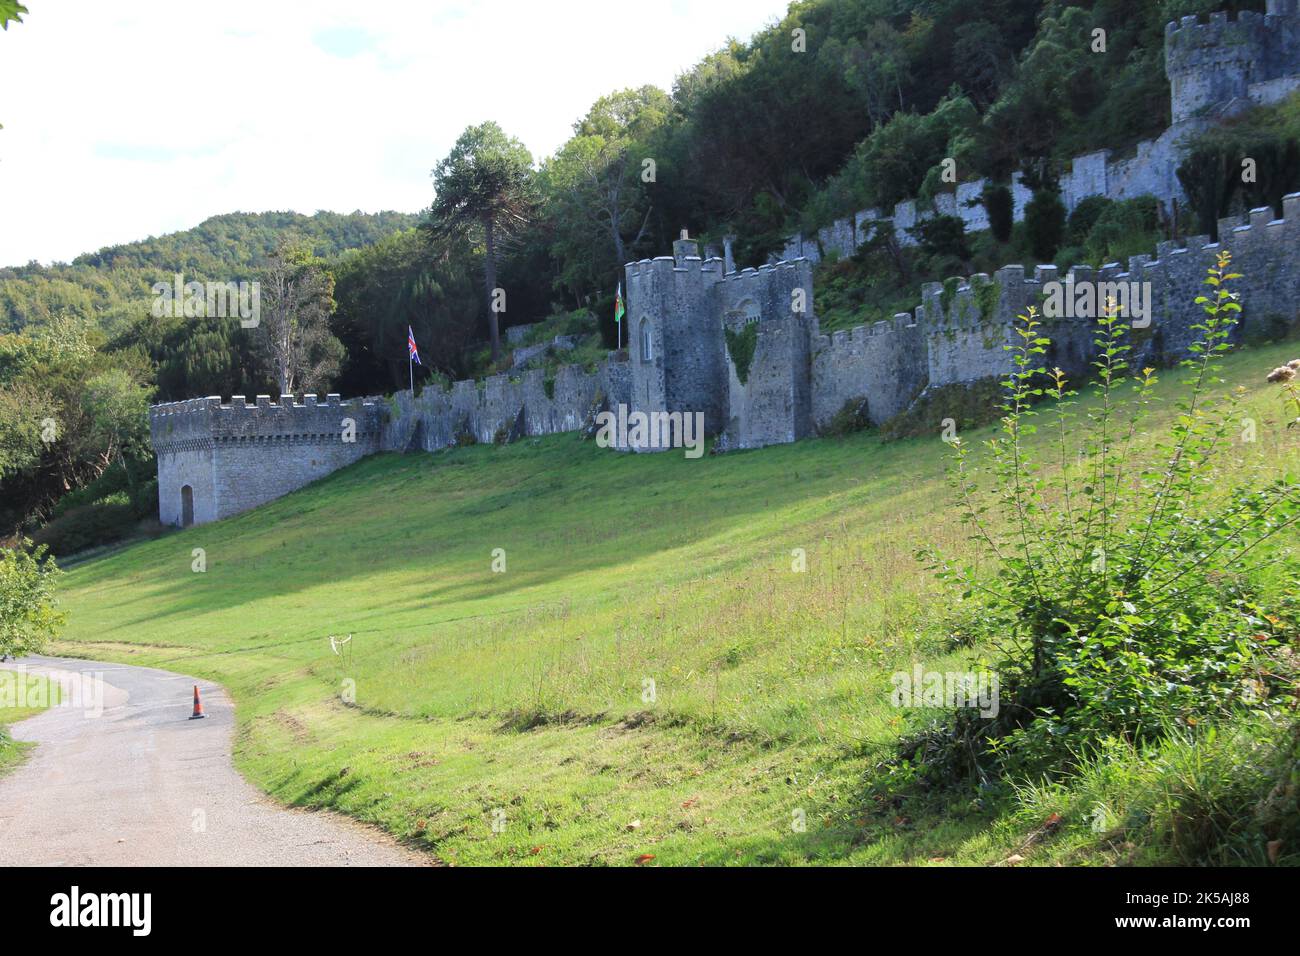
x=133 y=118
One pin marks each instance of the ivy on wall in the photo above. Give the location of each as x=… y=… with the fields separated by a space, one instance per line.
x=740 y=346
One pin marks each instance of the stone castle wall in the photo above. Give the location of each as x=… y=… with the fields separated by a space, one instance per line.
x=237 y=456
x=1215 y=68
x=503 y=406
x=681 y=307
x=774 y=403
x=962 y=327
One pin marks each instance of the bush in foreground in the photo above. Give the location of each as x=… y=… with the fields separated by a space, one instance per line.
x=1135 y=596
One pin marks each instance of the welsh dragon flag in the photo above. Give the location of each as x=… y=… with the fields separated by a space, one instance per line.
x=618 y=304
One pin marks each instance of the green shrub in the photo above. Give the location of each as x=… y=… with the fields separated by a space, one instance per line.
x=968 y=404
x=1001 y=211
x=28 y=614
x=853 y=417
x=1045 y=223
x=87 y=526
x=113 y=481
x=942 y=236
x=1123 y=229
x=1127 y=607
x=1085 y=216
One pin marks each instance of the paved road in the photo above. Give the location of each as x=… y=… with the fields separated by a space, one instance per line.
x=142 y=785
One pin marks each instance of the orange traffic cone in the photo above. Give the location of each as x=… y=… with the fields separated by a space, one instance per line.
x=198 y=706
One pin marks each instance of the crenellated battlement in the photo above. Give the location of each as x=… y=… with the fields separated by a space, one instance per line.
x=686 y=313
x=1191 y=32
x=859 y=336
x=1217 y=62
x=311 y=420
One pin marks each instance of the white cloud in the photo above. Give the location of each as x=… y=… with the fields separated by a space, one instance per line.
x=128 y=120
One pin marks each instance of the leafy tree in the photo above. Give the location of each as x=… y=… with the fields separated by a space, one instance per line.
x=594 y=191
x=484 y=187
x=23 y=410
x=943 y=236
x=400 y=282
x=28 y=609
x=982 y=60
x=1209 y=176
x=1264 y=141
x=11 y=10
x=892 y=163
x=293 y=336
x=1045 y=222
x=1000 y=206
x=118 y=411
x=1124 y=229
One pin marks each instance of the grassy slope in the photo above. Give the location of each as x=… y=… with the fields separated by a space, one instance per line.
x=38 y=689
x=523 y=690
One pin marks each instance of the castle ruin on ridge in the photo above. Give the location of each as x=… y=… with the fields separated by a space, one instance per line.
x=744 y=348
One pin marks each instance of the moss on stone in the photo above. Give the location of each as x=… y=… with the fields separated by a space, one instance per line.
x=987 y=293
x=948 y=293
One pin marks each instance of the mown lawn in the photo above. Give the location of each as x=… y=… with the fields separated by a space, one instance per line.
x=649 y=675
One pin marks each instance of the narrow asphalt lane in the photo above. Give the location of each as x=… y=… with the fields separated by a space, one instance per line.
x=140 y=784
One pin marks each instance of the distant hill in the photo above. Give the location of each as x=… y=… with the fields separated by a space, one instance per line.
x=111 y=285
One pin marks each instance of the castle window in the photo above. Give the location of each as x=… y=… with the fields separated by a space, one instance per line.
x=647 y=342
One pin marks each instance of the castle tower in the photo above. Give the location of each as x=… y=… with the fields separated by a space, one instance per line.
x=1212 y=64
x=675 y=340
x=766 y=316
x=1224 y=63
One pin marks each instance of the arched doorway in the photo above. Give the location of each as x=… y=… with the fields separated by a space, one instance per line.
x=187 y=506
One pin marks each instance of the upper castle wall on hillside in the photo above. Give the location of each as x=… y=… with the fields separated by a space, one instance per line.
x=1217 y=66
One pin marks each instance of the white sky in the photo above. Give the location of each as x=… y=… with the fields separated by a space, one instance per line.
x=133 y=118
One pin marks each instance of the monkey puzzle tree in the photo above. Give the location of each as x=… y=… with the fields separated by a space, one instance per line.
x=485 y=183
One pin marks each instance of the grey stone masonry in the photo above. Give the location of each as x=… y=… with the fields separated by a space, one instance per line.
x=788 y=379
x=217 y=460
x=1216 y=67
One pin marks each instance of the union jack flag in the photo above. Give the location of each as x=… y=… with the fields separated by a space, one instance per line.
x=411 y=351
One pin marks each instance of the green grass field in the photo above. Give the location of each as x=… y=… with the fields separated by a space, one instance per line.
x=468 y=697
x=36 y=693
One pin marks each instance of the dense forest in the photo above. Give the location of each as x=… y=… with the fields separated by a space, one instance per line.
x=841 y=105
